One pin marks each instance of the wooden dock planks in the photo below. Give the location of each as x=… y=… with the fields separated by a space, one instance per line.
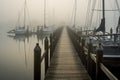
x=65 y=63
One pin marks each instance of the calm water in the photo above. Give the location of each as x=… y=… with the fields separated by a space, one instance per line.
x=16 y=56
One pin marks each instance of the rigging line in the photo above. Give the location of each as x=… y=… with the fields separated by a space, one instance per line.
x=112 y=6
x=91 y=13
x=25 y=13
x=91 y=17
x=19 y=14
x=114 y=18
x=53 y=14
x=118 y=6
x=88 y=16
x=105 y=10
x=28 y=15
x=100 y=12
x=87 y=13
x=72 y=14
x=44 y=13
x=18 y=20
x=53 y=17
x=75 y=6
x=97 y=15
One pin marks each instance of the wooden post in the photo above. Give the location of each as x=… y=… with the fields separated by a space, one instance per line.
x=46 y=54
x=111 y=32
x=115 y=38
x=83 y=42
x=53 y=41
x=37 y=63
x=79 y=39
x=99 y=56
x=51 y=46
x=88 y=56
x=82 y=54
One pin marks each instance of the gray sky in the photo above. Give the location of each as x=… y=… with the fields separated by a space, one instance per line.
x=57 y=11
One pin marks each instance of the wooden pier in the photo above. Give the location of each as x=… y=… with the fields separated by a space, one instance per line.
x=65 y=63
x=69 y=57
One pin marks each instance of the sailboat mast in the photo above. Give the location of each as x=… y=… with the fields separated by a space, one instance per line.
x=53 y=17
x=103 y=15
x=75 y=13
x=25 y=13
x=103 y=9
x=44 y=13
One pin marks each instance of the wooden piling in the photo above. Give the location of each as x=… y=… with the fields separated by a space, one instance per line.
x=46 y=54
x=51 y=45
x=37 y=63
x=99 y=56
x=79 y=39
x=88 y=57
x=83 y=42
x=83 y=56
x=111 y=32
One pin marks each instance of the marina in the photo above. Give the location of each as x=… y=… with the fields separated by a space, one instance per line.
x=60 y=40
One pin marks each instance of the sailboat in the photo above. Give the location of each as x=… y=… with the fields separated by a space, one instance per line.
x=45 y=29
x=73 y=16
x=109 y=41
x=113 y=39
x=21 y=30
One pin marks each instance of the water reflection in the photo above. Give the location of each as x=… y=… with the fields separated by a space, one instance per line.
x=42 y=37
x=25 y=41
x=21 y=39
x=21 y=55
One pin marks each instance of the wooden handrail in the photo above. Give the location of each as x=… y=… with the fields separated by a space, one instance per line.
x=85 y=50
x=92 y=56
x=42 y=57
x=107 y=72
x=102 y=66
x=37 y=53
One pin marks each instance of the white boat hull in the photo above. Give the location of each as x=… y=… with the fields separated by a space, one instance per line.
x=47 y=31
x=20 y=31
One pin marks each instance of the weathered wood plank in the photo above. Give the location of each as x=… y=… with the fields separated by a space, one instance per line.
x=65 y=64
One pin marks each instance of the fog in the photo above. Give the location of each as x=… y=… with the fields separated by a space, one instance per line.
x=58 y=12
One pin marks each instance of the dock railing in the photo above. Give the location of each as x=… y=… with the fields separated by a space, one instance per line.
x=54 y=37
x=91 y=59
